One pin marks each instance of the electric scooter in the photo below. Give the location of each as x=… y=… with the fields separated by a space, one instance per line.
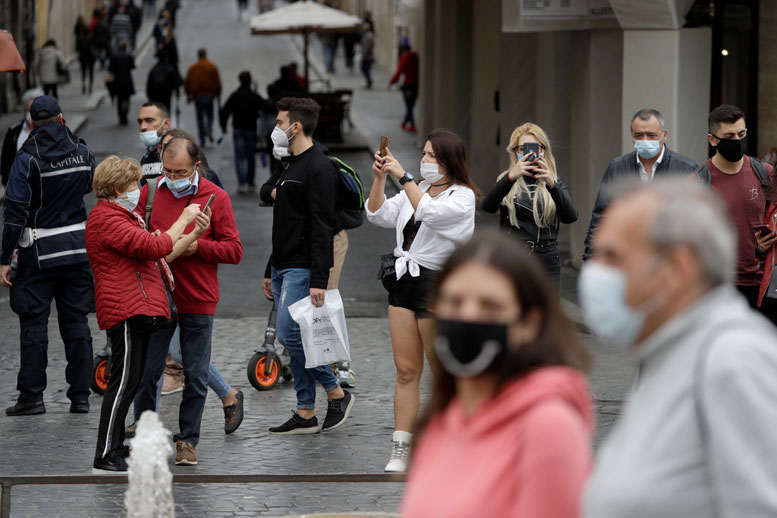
x=268 y=365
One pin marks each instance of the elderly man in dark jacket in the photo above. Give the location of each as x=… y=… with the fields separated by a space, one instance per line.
x=121 y=66
x=651 y=158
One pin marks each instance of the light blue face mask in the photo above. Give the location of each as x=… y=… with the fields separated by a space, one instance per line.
x=181 y=184
x=151 y=138
x=131 y=201
x=602 y=296
x=647 y=148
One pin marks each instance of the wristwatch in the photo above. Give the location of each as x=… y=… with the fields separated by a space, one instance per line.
x=407 y=178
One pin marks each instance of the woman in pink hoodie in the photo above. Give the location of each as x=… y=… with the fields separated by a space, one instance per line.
x=508 y=429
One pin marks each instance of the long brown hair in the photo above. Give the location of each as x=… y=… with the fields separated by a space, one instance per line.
x=556 y=342
x=451 y=153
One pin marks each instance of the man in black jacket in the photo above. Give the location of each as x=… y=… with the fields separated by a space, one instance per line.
x=245 y=106
x=302 y=230
x=651 y=158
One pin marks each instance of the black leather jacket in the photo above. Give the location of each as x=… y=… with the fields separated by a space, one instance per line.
x=623 y=167
x=528 y=231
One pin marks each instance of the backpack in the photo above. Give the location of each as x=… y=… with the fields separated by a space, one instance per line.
x=350 y=195
x=705 y=177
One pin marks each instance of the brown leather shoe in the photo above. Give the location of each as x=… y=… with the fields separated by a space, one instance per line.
x=184 y=454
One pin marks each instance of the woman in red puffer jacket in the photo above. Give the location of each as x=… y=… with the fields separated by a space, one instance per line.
x=130 y=272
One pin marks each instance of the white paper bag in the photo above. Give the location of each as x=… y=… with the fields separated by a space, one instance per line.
x=323 y=330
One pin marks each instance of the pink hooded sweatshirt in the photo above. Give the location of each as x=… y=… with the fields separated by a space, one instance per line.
x=524 y=453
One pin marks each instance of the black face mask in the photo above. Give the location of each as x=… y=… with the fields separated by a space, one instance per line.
x=468 y=349
x=732 y=150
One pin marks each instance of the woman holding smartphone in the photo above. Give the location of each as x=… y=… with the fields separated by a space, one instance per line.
x=766 y=239
x=430 y=218
x=531 y=198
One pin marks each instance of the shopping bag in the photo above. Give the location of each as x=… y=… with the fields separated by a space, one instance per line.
x=324 y=335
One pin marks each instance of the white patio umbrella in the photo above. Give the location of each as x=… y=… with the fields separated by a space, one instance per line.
x=304 y=17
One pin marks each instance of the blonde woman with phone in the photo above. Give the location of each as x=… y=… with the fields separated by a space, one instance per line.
x=531 y=198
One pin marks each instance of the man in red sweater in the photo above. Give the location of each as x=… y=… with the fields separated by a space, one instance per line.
x=196 y=287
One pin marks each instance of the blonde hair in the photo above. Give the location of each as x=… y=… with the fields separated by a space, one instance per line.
x=543 y=205
x=114 y=173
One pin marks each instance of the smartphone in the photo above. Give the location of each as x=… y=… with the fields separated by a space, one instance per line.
x=763 y=229
x=210 y=200
x=383 y=146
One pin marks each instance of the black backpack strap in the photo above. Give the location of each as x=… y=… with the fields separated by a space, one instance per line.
x=150 y=201
x=760 y=172
x=704 y=175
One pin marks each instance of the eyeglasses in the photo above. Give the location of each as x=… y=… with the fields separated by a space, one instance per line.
x=175 y=175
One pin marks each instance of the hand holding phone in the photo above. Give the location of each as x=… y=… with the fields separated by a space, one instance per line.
x=383 y=146
x=763 y=229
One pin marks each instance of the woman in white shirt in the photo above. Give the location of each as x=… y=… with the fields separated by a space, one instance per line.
x=431 y=219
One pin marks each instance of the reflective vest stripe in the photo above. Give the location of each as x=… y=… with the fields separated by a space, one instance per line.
x=61 y=254
x=65 y=171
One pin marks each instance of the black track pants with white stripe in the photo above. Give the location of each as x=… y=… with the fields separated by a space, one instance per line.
x=129 y=345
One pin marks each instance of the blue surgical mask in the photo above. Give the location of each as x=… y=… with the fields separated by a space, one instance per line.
x=647 y=148
x=180 y=184
x=151 y=138
x=602 y=293
x=131 y=200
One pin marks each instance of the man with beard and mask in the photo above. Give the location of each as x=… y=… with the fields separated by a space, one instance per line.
x=16 y=136
x=45 y=219
x=742 y=182
x=153 y=120
x=302 y=255
x=700 y=416
x=650 y=159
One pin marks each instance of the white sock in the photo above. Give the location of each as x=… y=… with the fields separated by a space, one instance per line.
x=400 y=436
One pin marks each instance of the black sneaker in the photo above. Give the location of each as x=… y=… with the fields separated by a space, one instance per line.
x=297 y=426
x=112 y=464
x=124 y=451
x=233 y=414
x=79 y=407
x=26 y=408
x=338 y=411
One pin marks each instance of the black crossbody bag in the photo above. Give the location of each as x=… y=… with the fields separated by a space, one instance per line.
x=387 y=274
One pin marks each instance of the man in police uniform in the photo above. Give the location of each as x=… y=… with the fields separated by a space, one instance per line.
x=45 y=218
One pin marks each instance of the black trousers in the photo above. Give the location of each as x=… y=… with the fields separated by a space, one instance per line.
x=122 y=107
x=72 y=288
x=129 y=346
x=409 y=95
x=50 y=89
x=551 y=261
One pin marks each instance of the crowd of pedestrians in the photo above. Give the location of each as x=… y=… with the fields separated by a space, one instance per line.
x=678 y=268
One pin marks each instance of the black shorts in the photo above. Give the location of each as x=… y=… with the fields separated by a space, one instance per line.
x=415 y=293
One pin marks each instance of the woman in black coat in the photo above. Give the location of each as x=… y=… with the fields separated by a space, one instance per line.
x=531 y=198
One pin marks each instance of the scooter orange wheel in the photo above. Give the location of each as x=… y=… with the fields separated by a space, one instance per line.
x=100 y=375
x=256 y=376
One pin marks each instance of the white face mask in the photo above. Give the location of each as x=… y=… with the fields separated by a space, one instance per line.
x=281 y=142
x=602 y=294
x=131 y=200
x=430 y=172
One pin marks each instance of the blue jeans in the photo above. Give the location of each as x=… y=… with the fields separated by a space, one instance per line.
x=204 y=107
x=245 y=155
x=196 y=333
x=289 y=286
x=215 y=381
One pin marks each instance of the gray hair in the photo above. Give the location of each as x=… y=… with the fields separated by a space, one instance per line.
x=46 y=121
x=690 y=214
x=31 y=94
x=646 y=113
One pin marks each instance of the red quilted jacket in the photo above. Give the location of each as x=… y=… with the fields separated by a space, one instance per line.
x=122 y=255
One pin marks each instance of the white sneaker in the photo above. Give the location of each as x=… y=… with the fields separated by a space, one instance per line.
x=400 y=451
